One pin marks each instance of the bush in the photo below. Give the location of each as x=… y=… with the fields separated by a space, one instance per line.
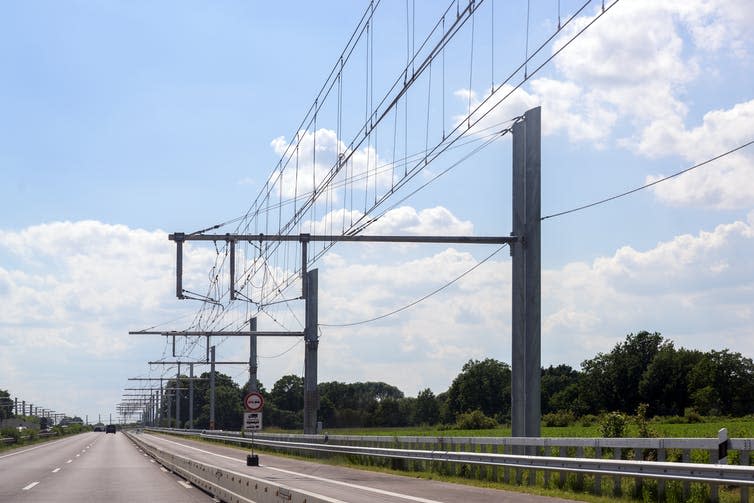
x=559 y=418
x=692 y=416
x=475 y=420
x=613 y=425
x=588 y=420
x=10 y=433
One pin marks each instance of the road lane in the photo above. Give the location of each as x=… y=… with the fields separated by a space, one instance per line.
x=342 y=483
x=21 y=470
x=98 y=467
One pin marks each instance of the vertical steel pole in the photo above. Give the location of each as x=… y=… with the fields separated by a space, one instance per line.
x=212 y=389
x=178 y=237
x=178 y=397
x=191 y=395
x=311 y=339
x=232 y=268
x=170 y=405
x=160 y=403
x=526 y=275
x=253 y=362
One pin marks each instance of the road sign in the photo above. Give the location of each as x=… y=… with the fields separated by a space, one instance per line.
x=253 y=402
x=252 y=421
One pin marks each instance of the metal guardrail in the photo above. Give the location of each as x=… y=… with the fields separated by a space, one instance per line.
x=227 y=485
x=483 y=451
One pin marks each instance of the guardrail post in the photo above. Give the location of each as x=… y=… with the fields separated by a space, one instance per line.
x=661 y=456
x=714 y=495
x=597 y=477
x=745 y=460
x=616 y=478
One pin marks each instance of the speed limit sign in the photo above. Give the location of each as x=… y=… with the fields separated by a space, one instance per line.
x=253 y=401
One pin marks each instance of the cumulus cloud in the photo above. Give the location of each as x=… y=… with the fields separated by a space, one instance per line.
x=626 y=80
x=83 y=283
x=726 y=183
x=695 y=289
x=308 y=158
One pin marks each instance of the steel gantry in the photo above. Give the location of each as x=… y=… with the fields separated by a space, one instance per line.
x=525 y=245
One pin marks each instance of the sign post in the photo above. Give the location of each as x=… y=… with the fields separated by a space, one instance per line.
x=253 y=404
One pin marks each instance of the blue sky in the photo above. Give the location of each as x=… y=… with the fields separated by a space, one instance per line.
x=123 y=121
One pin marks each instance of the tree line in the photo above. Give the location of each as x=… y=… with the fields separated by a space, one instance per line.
x=645 y=368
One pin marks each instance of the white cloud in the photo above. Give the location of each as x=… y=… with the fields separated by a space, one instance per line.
x=630 y=72
x=695 y=289
x=84 y=282
x=725 y=183
x=310 y=156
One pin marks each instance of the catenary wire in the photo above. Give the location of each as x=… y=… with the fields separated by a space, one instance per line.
x=637 y=189
x=417 y=301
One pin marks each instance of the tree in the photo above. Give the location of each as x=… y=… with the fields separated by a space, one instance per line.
x=427 y=408
x=484 y=385
x=559 y=389
x=722 y=383
x=228 y=405
x=288 y=393
x=611 y=381
x=664 y=386
x=6 y=405
x=357 y=404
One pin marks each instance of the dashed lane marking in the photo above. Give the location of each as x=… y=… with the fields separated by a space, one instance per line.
x=56 y=470
x=69 y=461
x=184 y=484
x=30 y=486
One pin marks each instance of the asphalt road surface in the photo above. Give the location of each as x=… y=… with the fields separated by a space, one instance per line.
x=345 y=484
x=89 y=467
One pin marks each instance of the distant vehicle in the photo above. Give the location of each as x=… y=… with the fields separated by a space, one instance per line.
x=99 y=427
x=110 y=428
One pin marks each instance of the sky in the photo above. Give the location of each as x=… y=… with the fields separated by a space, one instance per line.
x=121 y=122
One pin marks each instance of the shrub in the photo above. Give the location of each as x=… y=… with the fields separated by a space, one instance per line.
x=10 y=433
x=613 y=425
x=475 y=420
x=559 y=418
x=692 y=416
x=588 y=420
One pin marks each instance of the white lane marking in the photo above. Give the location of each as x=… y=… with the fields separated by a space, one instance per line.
x=30 y=486
x=69 y=461
x=78 y=455
x=355 y=486
x=164 y=469
x=56 y=470
x=151 y=460
x=184 y=484
x=321 y=479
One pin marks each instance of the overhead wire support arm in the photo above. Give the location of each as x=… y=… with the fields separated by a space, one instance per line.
x=180 y=237
x=193 y=333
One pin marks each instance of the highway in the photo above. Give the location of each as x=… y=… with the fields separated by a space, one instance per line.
x=339 y=483
x=89 y=467
x=101 y=467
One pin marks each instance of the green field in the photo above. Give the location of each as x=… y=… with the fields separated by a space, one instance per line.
x=737 y=428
